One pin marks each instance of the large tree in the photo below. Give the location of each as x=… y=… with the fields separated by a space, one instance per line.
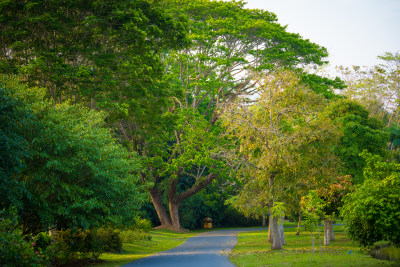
x=73 y=173
x=230 y=45
x=285 y=139
x=377 y=88
x=89 y=51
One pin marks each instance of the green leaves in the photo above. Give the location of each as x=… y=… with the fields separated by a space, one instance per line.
x=76 y=174
x=371 y=212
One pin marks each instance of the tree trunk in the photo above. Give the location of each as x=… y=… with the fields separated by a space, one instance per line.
x=331 y=231
x=156 y=198
x=269 y=229
x=327 y=236
x=174 y=204
x=282 y=232
x=299 y=224
x=276 y=240
x=263 y=222
x=174 y=213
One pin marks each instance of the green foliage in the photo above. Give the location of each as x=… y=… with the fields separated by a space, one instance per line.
x=128 y=236
x=142 y=224
x=332 y=194
x=322 y=85
x=69 y=246
x=285 y=141
x=105 y=50
x=15 y=250
x=278 y=210
x=312 y=207
x=75 y=174
x=359 y=132
x=235 y=218
x=79 y=172
x=15 y=117
x=110 y=239
x=371 y=212
x=42 y=241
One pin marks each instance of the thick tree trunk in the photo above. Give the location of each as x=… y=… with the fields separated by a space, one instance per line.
x=156 y=198
x=331 y=231
x=276 y=240
x=174 y=213
x=327 y=235
x=174 y=204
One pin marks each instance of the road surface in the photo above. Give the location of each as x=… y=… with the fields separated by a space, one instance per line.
x=209 y=249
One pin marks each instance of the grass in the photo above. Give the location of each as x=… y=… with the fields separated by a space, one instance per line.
x=253 y=250
x=161 y=240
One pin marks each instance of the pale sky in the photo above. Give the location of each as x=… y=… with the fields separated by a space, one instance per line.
x=355 y=32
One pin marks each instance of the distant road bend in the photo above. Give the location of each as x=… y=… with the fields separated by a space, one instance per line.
x=209 y=249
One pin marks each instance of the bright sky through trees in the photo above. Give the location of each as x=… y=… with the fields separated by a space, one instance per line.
x=355 y=32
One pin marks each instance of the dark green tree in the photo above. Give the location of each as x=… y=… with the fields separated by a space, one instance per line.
x=15 y=118
x=360 y=132
x=100 y=51
x=76 y=174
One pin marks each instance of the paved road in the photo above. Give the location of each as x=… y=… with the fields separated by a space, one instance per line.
x=208 y=249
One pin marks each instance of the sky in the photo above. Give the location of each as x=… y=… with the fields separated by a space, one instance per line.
x=355 y=32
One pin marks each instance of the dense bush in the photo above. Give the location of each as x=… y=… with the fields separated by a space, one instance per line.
x=371 y=212
x=70 y=246
x=14 y=249
x=110 y=239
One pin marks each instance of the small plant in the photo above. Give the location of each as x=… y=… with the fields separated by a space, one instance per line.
x=143 y=224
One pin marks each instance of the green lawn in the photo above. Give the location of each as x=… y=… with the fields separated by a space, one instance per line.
x=253 y=250
x=161 y=240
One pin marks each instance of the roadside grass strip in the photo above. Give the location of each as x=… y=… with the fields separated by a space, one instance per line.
x=253 y=250
x=161 y=240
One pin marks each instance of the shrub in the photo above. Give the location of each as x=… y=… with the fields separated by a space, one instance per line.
x=42 y=241
x=110 y=240
x=371 y=212
x=14 y=249
x=134 y=235
x=69 y=246
x=143 y=224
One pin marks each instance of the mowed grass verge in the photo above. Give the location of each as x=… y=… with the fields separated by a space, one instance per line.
x=253 y=250
x=161 y=240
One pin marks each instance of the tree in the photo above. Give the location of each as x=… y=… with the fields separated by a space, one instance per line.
x=331 y=196
x=281 y=134
x=359 y=132
x=229 y=46
x=371 y=212
x=377 y=88
x=89 y=51
x=15 y=117
x=75 y=175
